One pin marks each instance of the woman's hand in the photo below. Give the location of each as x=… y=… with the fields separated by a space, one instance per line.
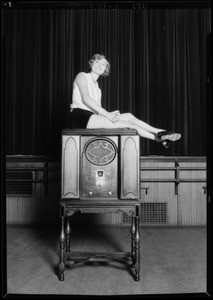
x=114 y=116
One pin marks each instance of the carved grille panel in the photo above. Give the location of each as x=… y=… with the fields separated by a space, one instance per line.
x=100 y=152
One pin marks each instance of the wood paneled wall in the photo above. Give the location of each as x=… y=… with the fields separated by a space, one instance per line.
x=157 y=185
x=43 y=205
x=178 y=182
x=192 y=195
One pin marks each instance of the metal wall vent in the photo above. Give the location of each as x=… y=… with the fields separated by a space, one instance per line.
x=151 y=213
x=19 y=183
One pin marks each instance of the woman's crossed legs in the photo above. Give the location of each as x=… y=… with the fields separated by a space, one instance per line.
x=127 y=120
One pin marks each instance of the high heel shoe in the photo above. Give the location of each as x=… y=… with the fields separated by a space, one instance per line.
x=168 y=137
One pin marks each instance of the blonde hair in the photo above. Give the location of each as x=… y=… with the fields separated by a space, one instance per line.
x=99 y=57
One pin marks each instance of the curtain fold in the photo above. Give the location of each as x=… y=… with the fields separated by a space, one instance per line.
x=158 y=72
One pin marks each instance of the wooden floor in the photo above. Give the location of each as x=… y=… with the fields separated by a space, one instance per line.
x=173 y=260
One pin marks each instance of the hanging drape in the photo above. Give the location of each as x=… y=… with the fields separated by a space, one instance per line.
x=158 y=72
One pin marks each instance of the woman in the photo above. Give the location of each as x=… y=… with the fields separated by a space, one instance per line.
x=88 y=112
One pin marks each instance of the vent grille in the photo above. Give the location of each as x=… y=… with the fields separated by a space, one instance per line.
x=150 y=213
x=16 y=184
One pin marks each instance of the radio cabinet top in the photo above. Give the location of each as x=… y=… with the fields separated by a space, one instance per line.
x=100 y=131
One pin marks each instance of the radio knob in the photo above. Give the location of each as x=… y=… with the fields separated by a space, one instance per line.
x=109 y=193
x=90 y=193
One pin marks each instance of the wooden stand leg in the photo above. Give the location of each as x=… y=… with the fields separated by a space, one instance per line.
x=68 y=230
x=133 y=241
x=137 y=244
x=62 y=251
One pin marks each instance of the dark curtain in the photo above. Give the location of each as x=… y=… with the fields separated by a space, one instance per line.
x=158 y=72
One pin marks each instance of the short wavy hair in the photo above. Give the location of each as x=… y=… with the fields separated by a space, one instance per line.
x=99 y=57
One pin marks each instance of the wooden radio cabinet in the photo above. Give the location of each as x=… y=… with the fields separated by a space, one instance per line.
x=100 y=173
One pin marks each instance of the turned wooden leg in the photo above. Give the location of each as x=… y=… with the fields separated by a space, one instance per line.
x=62 y=251
x=68 y=230
x=137 y=244
x=133 y=241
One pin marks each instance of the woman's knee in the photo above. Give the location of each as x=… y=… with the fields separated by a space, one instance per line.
x=127 y=117
x=97 y=121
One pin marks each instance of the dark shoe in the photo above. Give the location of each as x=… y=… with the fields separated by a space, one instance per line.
x=168 y=135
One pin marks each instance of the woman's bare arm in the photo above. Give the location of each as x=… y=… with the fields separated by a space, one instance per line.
x=88 y=101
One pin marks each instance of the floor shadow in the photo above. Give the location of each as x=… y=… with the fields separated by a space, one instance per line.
x=89 y=236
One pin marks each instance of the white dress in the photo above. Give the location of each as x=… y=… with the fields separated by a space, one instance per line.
x=94 y=92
